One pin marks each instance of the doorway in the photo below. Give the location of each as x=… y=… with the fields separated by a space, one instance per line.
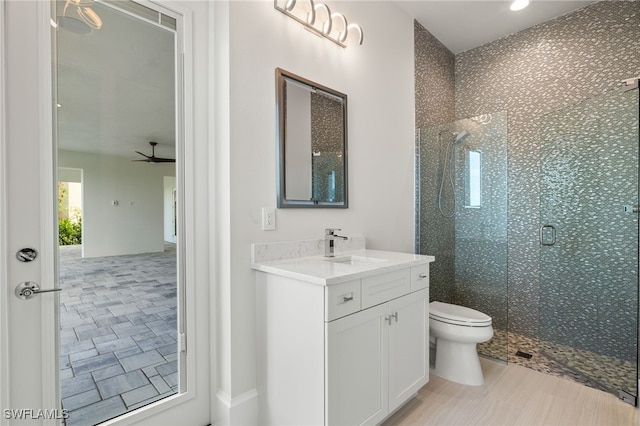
x=70 y=207
x=30 y=336
x=116 y=109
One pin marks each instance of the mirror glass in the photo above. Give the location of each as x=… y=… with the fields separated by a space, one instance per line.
x=312 y=148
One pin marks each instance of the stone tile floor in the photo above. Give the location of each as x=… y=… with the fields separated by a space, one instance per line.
x=118 y=325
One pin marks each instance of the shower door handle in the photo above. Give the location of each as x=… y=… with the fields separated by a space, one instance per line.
x=545 y=232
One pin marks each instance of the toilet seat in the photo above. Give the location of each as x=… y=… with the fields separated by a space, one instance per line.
x=458 y=315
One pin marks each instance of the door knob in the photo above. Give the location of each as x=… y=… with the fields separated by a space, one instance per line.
x=26 y=290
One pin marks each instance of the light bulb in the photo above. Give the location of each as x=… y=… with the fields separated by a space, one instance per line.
x=519 y=4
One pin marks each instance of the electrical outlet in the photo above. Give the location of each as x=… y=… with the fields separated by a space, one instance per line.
x=268 y=219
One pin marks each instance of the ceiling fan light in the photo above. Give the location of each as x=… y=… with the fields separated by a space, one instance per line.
x=519 y=4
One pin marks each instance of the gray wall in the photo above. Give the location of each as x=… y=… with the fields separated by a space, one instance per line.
x=435 y=104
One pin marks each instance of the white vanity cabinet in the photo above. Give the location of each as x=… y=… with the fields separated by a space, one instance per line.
x=343 y=353
x=376 y=360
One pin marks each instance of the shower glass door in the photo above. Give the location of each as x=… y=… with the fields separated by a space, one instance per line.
x=461 y=205
x=589 y=241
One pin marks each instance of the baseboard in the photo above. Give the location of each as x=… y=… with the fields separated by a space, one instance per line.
x=239 y=411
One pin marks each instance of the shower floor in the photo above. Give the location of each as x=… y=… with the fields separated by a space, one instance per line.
x=590 y=369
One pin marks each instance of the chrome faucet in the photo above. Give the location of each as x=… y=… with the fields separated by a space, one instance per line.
x=329 y=237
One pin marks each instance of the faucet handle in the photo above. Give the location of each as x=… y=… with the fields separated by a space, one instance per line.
x=330 y=231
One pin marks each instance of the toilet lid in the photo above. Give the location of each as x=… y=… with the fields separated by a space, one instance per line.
x=454 y=314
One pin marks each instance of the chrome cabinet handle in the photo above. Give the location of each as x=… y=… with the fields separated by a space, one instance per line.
x=423 y=276
x=345 y=298
x=26 y=290
x=389 y=317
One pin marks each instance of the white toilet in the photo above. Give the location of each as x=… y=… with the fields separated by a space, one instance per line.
x=457 y=330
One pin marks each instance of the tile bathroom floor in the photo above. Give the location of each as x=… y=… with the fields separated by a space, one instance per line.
x=118 y=333
x=513 y=395
x=601 y=372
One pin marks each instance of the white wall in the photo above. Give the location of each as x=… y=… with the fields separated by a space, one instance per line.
x=133 y=226
x=298 y=153
x=251 y=40
x=169 y=214
x=69 y=175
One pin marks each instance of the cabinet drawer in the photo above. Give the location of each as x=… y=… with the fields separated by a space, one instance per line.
x=420 y=277
x=383 y=287
x=342 y=299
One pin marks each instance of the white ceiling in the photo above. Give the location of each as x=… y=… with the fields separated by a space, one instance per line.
x=116 y=85
x=464 y=24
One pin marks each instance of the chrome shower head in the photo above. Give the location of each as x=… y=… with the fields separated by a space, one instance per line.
x=460 y=137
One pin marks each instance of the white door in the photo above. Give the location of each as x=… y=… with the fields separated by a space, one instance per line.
x=357 y=367
x=408 y=347
x=29 y=329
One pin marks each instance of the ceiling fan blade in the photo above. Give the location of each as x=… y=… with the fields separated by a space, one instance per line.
x=152 y=158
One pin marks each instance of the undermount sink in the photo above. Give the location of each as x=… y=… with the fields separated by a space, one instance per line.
x=354 y=260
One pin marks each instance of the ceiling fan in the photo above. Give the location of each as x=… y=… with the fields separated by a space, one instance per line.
x=152 y=158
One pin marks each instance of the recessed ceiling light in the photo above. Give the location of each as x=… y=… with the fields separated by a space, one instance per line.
x=519 y=4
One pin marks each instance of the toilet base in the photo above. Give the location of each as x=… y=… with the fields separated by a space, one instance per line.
x=458 y=362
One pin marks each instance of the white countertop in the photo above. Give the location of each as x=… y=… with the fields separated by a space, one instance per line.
x=321 y=270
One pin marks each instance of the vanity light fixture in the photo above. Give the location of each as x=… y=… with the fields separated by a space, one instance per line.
x=332 y=26
x=78 y=17
x=519 y=4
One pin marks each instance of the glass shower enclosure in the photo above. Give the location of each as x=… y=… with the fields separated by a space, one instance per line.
x=589 y=240
x=588 y=235
x=461 y=205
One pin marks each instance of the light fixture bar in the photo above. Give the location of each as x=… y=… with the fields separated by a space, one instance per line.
x=327 y=25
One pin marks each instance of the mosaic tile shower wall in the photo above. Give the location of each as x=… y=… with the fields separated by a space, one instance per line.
x=481 y=225
x=435 y=102
x=589 y=276
x=473 y=172
x=529 y=74
x=435 y=80
x=327 y=159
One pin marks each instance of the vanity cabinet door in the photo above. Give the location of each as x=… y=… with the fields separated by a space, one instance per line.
x=408 y=347
x=357 y=368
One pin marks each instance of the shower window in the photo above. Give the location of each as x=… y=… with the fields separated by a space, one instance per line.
x=473 y=178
